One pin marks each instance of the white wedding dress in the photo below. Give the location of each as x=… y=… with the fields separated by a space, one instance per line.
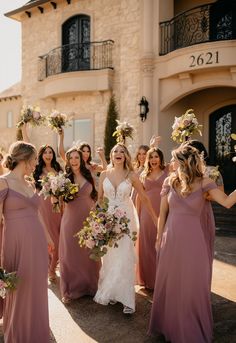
x=117 y=275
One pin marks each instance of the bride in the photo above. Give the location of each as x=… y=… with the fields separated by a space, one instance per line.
x=117 y=275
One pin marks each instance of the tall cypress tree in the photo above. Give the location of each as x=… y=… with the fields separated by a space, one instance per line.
x=112 y=115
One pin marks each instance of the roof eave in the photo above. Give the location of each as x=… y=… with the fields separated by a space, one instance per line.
x=16 y=14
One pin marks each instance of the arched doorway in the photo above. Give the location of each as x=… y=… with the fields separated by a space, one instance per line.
x=221 y=145
x=76 y=43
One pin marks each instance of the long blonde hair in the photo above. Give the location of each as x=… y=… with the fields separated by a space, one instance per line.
x=191 y=166
x=127 y=164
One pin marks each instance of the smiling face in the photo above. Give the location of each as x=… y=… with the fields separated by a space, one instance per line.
x=74 y=161
x=47 y=156
x=141 y=156
x=118 y=155
x=154 y=160
x=85 y=153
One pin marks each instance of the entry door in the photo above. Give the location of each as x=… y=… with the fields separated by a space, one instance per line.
x=76 y=44
x=221 y=145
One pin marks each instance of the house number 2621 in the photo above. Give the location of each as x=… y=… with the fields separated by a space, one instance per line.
x=204 y=59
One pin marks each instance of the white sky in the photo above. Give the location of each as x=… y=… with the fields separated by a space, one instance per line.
x=10 y=45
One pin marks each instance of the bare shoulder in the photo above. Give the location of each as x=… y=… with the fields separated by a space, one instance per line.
x=133 y=176
x=103 y=175
x=166 y=181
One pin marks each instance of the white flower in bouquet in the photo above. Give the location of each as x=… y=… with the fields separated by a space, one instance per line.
x=185 y=126
x=56 y=120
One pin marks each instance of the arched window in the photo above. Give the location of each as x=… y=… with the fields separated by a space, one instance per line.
x=76 y=44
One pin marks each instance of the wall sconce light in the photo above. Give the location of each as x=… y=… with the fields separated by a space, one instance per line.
x=143 y=108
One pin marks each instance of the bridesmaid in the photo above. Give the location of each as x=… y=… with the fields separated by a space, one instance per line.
x=47 y=163
x=181 y=308
x=138 y=165
x=207 y=216
x=25 y=311
x=152 y=179
x=79 y=274
x=86 y=153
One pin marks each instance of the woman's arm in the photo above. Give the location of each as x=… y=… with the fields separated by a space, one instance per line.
x=103 y=166
x=223 y=199
x=164 y=210
x=25 y=133
x=61 y=149
x=143 y=196
x=100 y=188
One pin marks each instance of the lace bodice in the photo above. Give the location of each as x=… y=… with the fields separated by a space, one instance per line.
x=118 y=195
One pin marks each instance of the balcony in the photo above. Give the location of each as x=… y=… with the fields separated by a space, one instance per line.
x=76 y=57
x=206 y=23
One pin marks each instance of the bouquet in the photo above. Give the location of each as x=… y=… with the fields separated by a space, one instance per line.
x=212 y=172
x=30 y=114
x=123 y=130
x=56 y=120
x=104 y=228
x=8 y=282
x=185 y=126
x=58 y=187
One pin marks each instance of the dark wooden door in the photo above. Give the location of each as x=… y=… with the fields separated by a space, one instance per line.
x=221 y=145
x=76 y=44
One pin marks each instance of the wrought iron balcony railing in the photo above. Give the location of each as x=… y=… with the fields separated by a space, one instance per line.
x=206 y=23
x=76 y=57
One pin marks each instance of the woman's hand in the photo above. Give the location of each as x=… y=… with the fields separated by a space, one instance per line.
x=154 y=141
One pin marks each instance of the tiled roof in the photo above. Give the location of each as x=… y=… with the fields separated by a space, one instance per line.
x=14 y=90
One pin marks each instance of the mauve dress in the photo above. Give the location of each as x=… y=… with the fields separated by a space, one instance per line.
x=79 y=274
x=146 y=271
x=25 y=310
x=181 y=308
x=52 y=222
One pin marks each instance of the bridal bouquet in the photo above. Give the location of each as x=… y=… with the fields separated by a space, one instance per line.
x=123 y=130
x=104 y=228
x=57 y=120
x=185 y=126
x=8 y=282
x=30 y=114
x=58 y=187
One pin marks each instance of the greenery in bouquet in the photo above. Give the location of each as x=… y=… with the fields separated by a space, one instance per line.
x=58 y=187
x=123 y=130
x=56 y=120
x=185 y=126
x=103 y=229
x=212 y=172
x=30 y=114
x=8 y=282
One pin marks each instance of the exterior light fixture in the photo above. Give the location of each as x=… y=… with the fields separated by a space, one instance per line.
x=143 y=108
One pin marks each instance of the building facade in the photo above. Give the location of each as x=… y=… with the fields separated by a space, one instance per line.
x=178 y=54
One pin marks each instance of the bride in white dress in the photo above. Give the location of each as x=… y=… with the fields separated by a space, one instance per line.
x=117 y=275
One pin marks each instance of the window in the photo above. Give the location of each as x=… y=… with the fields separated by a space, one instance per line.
x=9 y=119
x=79 y=131
x=76 y=44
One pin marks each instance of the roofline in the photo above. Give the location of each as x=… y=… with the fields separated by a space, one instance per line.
x=25 y=7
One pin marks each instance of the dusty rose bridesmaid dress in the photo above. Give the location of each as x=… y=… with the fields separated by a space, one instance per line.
x=52 y=222
x=146 y=271
x=181 y=308
x=79 y=274
x=25 y=311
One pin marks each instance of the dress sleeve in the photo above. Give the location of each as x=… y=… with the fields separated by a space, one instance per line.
x=209 y=186
x=165 y=190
